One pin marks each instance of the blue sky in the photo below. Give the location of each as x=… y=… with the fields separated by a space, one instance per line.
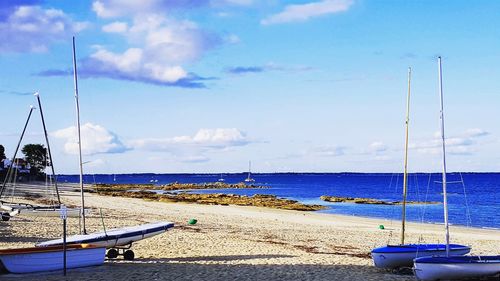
x=206 y=86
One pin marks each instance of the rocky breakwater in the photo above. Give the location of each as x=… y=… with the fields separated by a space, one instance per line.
x=259 y=200
x=208 y=185
x=100 y=187
x=356 y=200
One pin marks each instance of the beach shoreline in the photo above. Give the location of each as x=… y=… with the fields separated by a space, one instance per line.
x=231 y=242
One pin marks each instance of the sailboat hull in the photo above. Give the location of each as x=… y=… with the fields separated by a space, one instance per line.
x=398 y=256
x=29 y=260
x=456 y=267
x=115 y=237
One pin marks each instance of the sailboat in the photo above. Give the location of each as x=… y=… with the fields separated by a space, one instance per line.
x=10 y=209
x=402 y=255
x=249 y=177
x=221 y=179
x=119 y=239
x=452 y=266
x=35 y=259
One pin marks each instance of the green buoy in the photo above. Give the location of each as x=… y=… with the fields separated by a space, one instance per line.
x=192 y=221
x=381 y=226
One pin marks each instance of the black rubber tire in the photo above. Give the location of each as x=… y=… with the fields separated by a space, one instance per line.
x=129 y=255
x=5 y=216
x=112 y=254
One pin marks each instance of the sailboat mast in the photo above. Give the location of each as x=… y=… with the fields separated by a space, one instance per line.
x=48 y=147
x=15 y=153
x=84 y=230
x=445 y=195
x=249 y=168
x=405 y=173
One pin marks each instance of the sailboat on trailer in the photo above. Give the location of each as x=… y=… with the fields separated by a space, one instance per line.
x=452 y=266
x=114 y=239
x=10 y=209
x=402 y=255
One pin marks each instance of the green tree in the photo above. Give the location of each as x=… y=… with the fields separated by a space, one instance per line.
x=2 y=152
x=36 y=156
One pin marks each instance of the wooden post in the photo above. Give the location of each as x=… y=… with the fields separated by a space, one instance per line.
x=64 y=215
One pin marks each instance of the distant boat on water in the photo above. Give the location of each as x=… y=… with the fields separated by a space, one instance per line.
x=221 y=179
x=249 y=177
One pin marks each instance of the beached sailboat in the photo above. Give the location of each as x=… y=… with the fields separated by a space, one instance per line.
x=117 y=237
x=28 y=260
x=9 y=208
x=249 y=177
x=452 y=266
x=402 y=255
x=114 y=239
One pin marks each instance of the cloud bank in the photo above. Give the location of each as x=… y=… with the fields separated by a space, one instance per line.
x=28 y=28
x=158 y=45
x=95 y=140
x=241 y=70
x=464 y=144
x=205 y=139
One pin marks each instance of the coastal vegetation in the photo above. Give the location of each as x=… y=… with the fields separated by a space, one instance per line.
x=29 y=167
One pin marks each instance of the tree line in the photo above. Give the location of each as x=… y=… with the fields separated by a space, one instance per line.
x=34 y=157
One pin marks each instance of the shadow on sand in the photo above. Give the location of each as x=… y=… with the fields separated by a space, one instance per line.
x=213 y=268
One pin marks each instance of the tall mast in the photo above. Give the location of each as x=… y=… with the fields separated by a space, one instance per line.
x=48 y=146
x=82 y=211
x=445 y=199
x=249 y=168
x=405 y=174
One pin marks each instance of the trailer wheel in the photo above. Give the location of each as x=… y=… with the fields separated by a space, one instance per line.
x=128 y=255
x=112 y=254
x=5 y=216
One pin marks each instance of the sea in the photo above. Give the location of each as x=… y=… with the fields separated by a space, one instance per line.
x=473 y=198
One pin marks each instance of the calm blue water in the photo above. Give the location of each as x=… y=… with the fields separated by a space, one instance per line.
x=479 y=207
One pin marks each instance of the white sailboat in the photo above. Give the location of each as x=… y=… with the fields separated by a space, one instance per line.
x=249 y=177
x=29 y=260
x=221 y=179
x=114 y=239
x=402 y=255
x=10 y=208
x=452 y=266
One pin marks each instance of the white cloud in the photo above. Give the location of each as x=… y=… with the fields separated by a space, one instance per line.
x=232 y=2
x=117 y=8
x=161 y=46
x=476 y=132
x=377 y=147
x=204 y=138
x=232 y=39
x=327 y=151
x=95 y=139
x=115 y=27
x=303 y=12
x=193 y=159
x=33 y=29
x=133 y=63
x=465 y=143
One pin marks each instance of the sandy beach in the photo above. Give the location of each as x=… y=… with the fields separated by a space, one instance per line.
x=235 y=243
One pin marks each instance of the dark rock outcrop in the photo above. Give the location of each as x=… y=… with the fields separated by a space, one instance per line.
x=337 y=199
